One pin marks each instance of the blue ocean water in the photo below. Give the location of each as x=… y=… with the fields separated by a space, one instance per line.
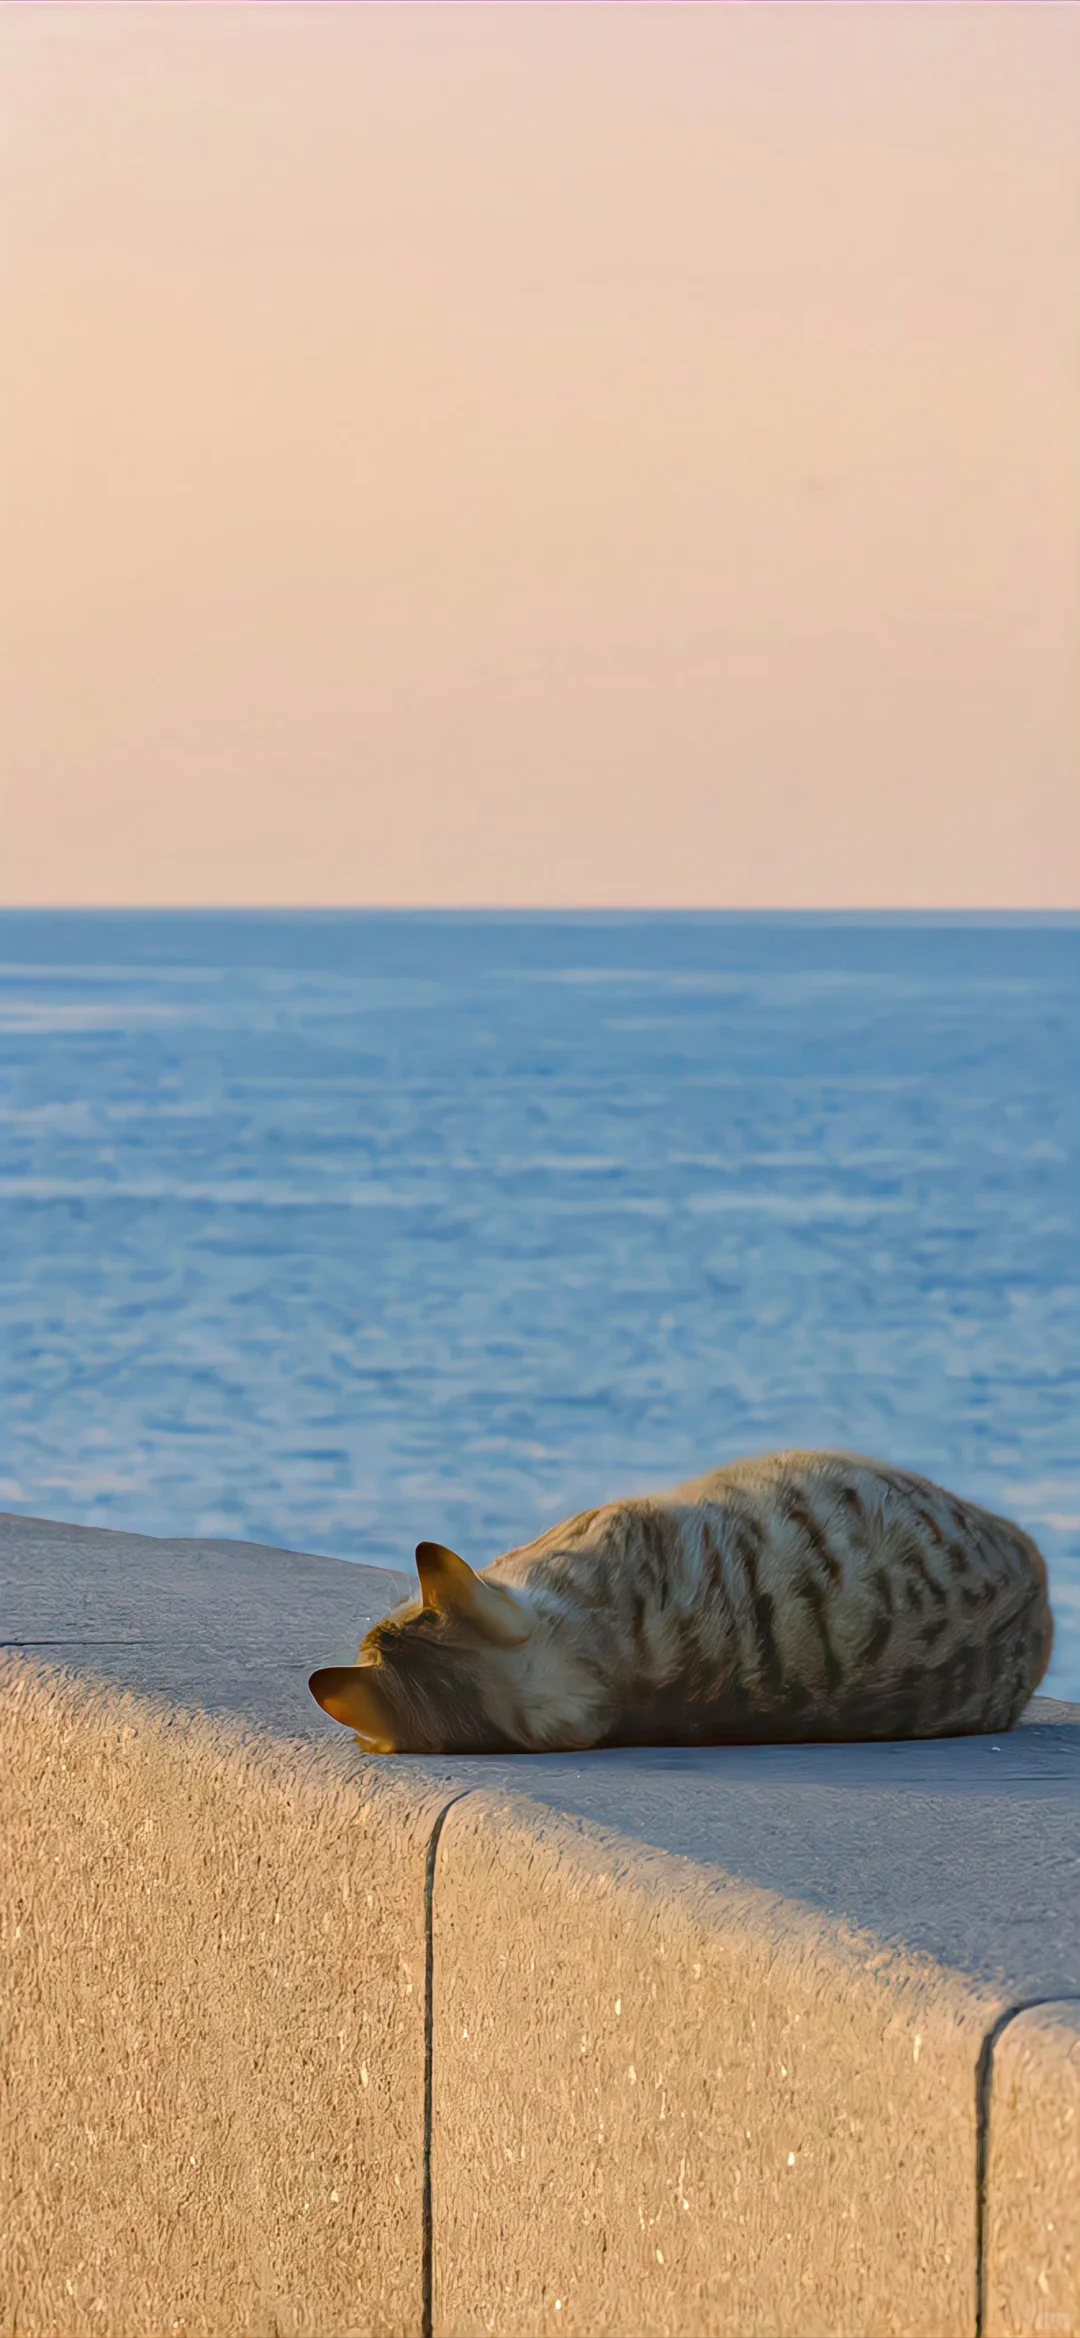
x=345 y=1230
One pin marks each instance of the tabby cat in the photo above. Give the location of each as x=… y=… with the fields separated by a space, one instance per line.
x=807 y=1596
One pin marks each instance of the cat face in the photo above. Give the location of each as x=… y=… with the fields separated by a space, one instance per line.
x=441 y=1676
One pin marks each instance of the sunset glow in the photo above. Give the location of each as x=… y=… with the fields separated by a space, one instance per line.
x=481 y=455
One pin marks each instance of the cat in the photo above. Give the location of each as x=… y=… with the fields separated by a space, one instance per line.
x=799 y=1597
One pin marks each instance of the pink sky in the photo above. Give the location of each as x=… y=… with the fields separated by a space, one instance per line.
x=523 y=455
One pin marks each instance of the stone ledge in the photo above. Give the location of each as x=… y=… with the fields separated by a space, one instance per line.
x=813 y=1961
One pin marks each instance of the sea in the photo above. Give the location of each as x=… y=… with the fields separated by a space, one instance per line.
x=341 y=1231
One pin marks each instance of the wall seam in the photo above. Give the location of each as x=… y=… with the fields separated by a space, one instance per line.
x=984 y=2084
x=427 y=2273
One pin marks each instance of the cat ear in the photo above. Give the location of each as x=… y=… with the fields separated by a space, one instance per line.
x=351 y=1695
x=450 y=1585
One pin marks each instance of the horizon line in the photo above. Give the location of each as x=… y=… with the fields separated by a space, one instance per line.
x=898 y=911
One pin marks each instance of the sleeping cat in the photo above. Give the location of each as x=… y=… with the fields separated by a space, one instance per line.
x=810 y=1595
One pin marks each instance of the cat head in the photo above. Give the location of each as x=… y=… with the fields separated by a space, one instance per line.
x=447 y=1674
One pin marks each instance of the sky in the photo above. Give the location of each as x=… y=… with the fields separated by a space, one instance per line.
x=540 y=456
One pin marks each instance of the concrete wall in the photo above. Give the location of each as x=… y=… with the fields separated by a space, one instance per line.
x=667 y=2103
x=213 y=2029
x=770 y=2040
x=726 y=2063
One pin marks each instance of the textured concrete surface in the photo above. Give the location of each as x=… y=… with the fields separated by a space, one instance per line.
x=230 y=1627
x=718 y=2068
x=212 y=1949
x=964 y=1848
x=1033 y=2177
x=212 y=1982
